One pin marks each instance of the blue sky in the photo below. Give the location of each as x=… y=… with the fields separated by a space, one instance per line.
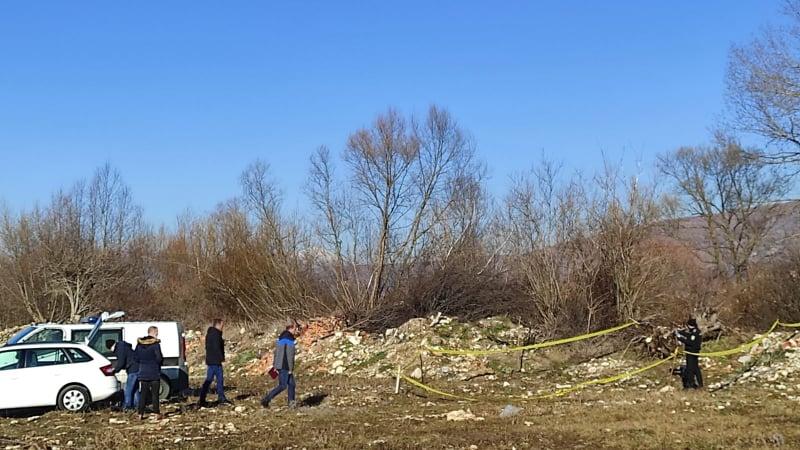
x=181 y=96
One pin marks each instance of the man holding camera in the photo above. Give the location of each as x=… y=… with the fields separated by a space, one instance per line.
x=692 y=341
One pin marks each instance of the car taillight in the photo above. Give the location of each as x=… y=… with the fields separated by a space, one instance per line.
x=183 y=348
x=107 y=370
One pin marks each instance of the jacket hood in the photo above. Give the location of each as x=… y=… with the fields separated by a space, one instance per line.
x=148 y=340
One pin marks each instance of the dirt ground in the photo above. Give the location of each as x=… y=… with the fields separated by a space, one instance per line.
x=349 y=412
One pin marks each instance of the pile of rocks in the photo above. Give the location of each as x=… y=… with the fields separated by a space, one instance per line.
x=327 y=346
x=369 y=355
x=774 y=362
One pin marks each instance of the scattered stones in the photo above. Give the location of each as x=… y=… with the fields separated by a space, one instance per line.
x=510 y=411
x=461 y=416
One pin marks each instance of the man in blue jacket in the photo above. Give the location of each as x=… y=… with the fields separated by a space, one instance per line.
x=126 y=361
x=148 y=353
x=283 y=362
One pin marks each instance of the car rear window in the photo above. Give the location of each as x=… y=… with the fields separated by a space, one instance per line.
x=10 y=359
x=39 y=357
x=77 y=356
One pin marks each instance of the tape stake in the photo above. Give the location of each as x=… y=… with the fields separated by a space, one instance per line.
x=425 y=387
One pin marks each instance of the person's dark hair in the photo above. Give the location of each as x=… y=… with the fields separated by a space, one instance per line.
x=216 y=322
x=110 y=343
x=692 y=323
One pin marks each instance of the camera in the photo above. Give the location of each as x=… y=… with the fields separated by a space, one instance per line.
x=678 y=371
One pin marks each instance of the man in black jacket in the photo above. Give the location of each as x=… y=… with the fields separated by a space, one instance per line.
x=692 y=341
x=126 y=361
x=215 y=356
x=148 y=353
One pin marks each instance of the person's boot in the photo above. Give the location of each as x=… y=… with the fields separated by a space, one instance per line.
x=264 y=403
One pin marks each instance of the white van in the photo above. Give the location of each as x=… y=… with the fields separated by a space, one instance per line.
x=174 y=370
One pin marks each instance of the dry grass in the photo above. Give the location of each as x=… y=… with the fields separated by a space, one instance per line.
x=362 y=413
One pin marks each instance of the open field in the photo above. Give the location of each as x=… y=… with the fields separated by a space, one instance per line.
x=360 y=413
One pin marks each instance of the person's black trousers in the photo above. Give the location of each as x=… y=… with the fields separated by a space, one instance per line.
x=149 y=392
x=692 y=378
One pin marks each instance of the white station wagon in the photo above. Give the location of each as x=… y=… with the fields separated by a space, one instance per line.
x=68 y=376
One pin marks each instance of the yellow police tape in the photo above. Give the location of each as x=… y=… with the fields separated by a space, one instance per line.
x=558 y=393
x=445 y=351
x=739 y=349
x=600 y=381
x=435 y=391
x=611 y=379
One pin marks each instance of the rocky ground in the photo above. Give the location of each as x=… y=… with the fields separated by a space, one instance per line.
x=347 y=382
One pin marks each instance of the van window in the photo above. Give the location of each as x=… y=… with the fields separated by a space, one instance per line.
x=47 y=335
x=17 y=338
x=99 y=343
x=10 y=359
x=45 y=357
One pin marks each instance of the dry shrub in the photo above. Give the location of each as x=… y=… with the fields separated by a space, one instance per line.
x=768 y=292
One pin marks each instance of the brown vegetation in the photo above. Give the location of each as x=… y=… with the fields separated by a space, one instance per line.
x=407 y=228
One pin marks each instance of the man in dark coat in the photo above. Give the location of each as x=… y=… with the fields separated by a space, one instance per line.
x=692 y=341
x=283 y=362
x=215 y=356
x=148 y=353
x=126 y=361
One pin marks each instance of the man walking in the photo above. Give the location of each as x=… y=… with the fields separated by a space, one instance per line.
x=148 y=353
x=283 y=362
x=215 y=356
x=126 y=361
x=692 y=341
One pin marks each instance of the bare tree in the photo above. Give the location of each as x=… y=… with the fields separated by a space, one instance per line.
x=763 y=87
x=249 y=258
x=340 y=229
x=72 y=256
x=625 y=217
x=400 y=172
x=736 y=197
x=546 y=220
x=21 y=260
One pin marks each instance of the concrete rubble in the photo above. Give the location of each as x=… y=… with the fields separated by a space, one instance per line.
x=774 y=362
x=327 y=347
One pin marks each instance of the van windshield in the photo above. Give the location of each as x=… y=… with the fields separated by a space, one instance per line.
x=21 y=335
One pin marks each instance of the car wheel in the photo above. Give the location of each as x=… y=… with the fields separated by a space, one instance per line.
x=74 y=399
x=164 y=389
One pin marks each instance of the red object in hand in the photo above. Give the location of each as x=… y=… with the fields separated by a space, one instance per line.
x=273 y=373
